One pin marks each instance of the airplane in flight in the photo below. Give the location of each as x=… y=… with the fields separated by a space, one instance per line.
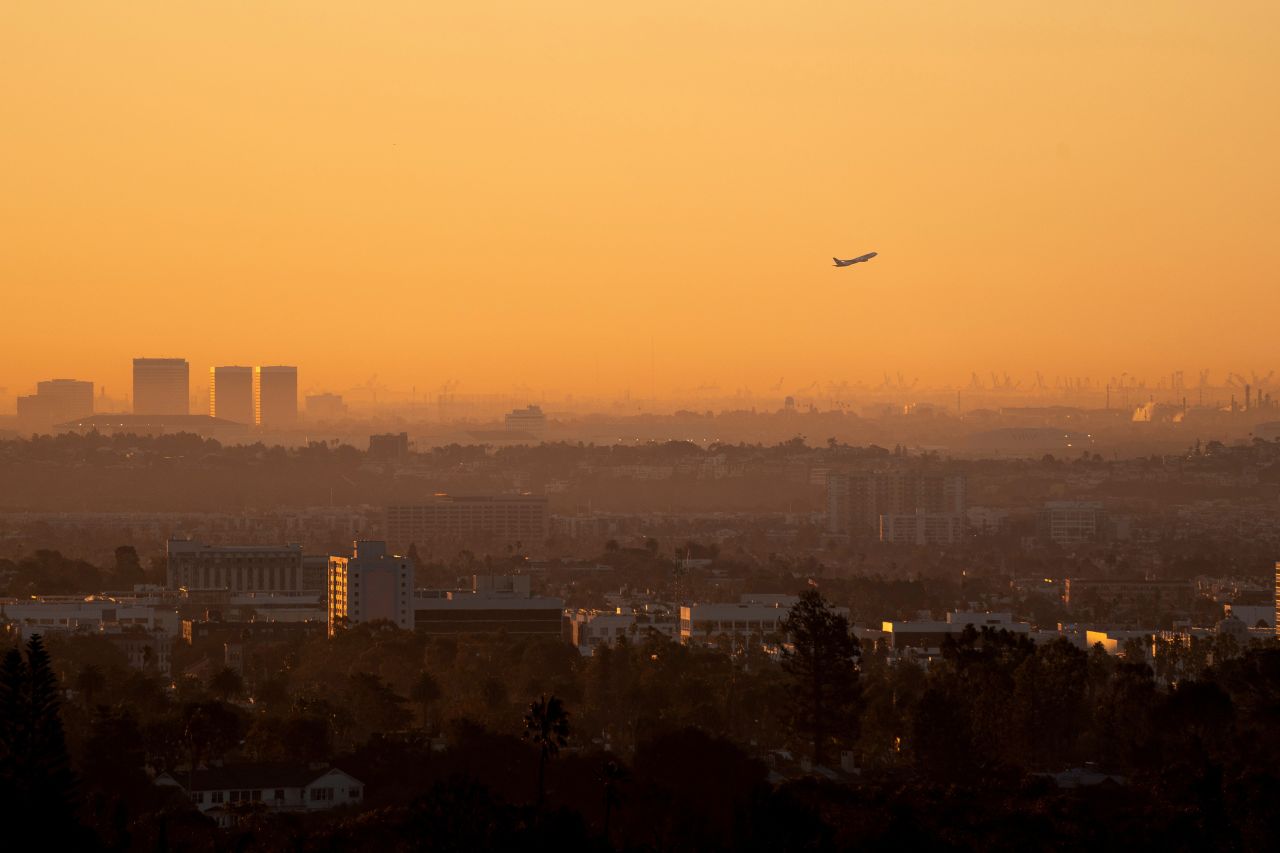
x=858 y=260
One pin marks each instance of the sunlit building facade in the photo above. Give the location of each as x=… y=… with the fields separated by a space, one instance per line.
x=275 y=395
x=231 y=394
x=372 y=584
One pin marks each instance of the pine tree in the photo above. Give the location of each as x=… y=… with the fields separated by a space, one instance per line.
x=35 y=769
x=821 y=658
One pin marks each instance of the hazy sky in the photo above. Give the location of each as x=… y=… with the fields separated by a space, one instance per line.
x=530 y=194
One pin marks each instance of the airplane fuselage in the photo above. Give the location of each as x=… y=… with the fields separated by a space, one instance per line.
x=858 y=260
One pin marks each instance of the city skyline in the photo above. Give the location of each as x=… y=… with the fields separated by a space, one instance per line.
x=473 y=426
x=462 y=210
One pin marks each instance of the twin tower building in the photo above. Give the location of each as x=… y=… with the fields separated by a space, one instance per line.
x=261 y=396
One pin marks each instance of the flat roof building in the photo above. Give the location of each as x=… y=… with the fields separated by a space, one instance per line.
x=494 y=604
x=325 y=405
x=705 y=622
x=391 y=445
x=529 y=420
x=195 y=566
x=56 y=401
x=1071 y=522
x=161 y=386
x=510 y=518
x=372 y=584
x=856 y=501
x=275 y=396
x=231 y=394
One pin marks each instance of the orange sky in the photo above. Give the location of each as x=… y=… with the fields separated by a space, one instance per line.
x=510 y=193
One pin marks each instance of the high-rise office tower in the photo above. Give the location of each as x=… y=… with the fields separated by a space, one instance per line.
x=161 y=386
x=275 y=395
x=231 y=394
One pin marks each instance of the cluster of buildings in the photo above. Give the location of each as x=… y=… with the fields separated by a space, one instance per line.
x=260 y=396
x=917 y=507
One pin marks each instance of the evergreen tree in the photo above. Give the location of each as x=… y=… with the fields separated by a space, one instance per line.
x=35 y=770
x=821 y=658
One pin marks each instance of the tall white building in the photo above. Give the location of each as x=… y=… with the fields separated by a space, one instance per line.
x=161 y=386
x=231 y=394
x=369 y=585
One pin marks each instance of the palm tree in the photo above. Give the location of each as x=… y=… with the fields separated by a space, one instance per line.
x=613 y=774
x=226 y=684
x=424 y=691
x=89 y=682
x=547 y=725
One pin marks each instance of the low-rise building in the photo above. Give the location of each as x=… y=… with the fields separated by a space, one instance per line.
x=1129 y=593
x=93 y=613
x=705 y=622
x=927 y=636
x=494 y=604
x=194 y=565
x=223 y=793
x=146 y=651
x=529 y=420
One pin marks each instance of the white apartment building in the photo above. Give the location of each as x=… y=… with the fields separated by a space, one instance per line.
x=371 y=584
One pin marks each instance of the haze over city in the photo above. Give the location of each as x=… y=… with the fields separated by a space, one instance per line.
x=586 y=200
x=682 y=426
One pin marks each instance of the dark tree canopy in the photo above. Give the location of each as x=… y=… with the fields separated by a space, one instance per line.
x=821 y=656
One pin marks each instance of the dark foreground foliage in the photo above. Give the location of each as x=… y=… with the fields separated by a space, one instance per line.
x=499 y=744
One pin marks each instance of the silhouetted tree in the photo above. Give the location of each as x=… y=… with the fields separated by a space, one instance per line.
x=612 y=774
x=128 y=568
x=35 y=770
x=822 y=662
x=89 y=682
x=546 y=724
x=425 y=691
x=226 y=684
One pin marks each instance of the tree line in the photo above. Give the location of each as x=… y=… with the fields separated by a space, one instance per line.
x=486 y=743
